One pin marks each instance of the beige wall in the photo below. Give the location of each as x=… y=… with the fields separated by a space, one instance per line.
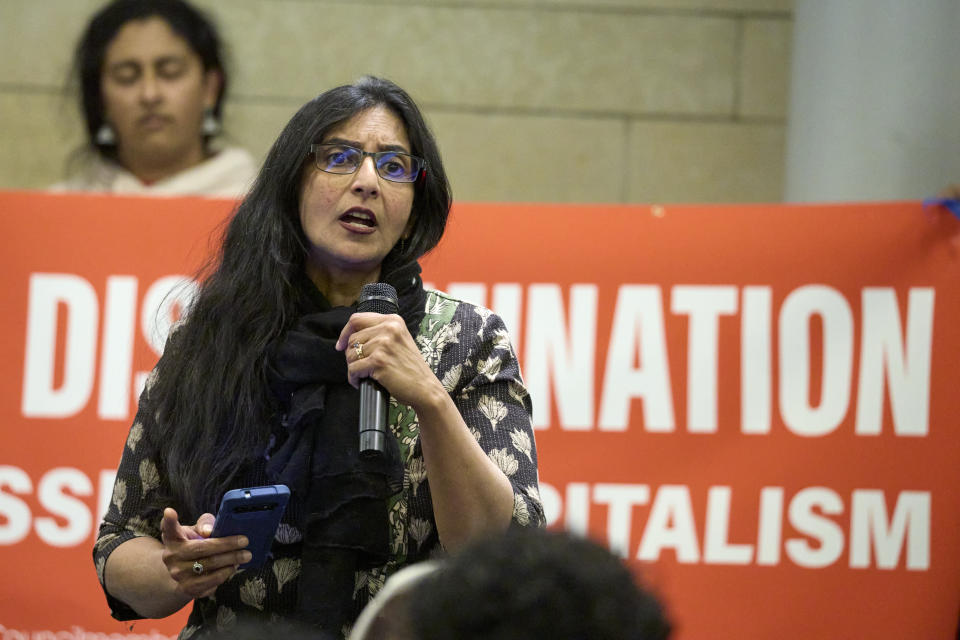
x=535 y=100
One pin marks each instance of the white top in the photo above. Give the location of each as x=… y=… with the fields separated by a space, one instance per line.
x=228 y=174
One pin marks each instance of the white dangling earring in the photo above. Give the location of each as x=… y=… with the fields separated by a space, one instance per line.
x=105 y=136
x=211 y=126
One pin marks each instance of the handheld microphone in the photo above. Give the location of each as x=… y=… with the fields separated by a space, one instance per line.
x=376 y=297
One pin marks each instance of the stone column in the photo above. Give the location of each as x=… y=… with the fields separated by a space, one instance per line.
x=875 y=100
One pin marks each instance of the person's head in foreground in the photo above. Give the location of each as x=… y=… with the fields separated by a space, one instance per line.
x=532 y=583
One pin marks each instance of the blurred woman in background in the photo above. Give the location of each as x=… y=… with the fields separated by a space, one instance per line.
x=151 y=86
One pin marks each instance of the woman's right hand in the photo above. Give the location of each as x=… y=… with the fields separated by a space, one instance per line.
x=183 y=547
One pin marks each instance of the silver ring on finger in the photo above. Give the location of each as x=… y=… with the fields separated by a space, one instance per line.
x=198 y=568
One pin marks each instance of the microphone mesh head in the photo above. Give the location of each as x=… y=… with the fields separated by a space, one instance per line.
x=378 y=297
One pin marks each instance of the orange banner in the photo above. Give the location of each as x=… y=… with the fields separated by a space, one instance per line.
x=754 y=405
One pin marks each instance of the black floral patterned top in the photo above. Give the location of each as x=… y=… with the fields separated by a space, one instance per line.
x=469 y=350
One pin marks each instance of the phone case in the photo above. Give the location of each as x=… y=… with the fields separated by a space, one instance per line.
x=254 y=512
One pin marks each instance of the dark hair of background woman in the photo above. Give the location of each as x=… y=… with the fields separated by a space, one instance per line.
x=211 y=391
x=187 y=22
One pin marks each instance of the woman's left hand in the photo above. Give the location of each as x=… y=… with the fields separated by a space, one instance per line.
x=387 y=354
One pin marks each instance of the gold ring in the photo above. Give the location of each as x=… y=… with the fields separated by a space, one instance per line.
x=358 y=347
x=198 y=568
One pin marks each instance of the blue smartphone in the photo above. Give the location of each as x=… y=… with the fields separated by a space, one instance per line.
x=254 y=512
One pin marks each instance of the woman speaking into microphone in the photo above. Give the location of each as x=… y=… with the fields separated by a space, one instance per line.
x=258 y=386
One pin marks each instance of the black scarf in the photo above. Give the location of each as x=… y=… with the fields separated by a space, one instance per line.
x=339 y=498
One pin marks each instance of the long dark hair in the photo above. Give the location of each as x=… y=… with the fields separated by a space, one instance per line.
x=211 y=396
x=186 y=21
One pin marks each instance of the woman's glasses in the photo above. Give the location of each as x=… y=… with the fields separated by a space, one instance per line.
x=391 y=165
